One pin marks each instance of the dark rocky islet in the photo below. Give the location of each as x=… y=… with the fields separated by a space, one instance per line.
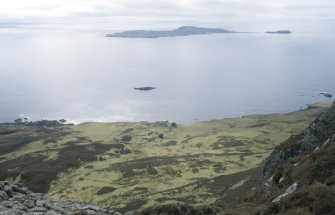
x=144 y=88
x=279 y=32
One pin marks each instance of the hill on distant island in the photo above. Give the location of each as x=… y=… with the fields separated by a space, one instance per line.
x=182 y=31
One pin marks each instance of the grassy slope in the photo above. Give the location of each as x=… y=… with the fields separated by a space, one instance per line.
x=186 y=165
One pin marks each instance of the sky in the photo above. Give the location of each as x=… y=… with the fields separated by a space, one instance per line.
x=118 y=14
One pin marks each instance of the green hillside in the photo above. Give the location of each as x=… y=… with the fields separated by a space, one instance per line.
x=129 y=166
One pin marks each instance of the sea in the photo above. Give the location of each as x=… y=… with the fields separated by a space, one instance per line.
x=84 y=76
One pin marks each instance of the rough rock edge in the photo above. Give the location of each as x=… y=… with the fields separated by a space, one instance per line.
x=314 y=136
x=289 y=190
x=15 y=199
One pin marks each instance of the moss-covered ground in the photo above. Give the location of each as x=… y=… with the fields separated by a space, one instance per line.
x=128 y=166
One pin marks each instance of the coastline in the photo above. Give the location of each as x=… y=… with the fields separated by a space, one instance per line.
x=308 y=106
x=151 y=162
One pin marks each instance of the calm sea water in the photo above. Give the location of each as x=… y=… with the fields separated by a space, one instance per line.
x=87 y=77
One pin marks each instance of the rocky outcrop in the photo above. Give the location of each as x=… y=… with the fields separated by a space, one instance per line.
x=314 y=136
x=15 y=199
x=288 y=191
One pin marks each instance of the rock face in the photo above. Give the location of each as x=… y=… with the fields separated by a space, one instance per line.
x=15 y=199
x=314 y=136
x=288 y=191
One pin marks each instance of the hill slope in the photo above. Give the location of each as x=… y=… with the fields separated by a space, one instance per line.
x=302 y=181
x=129 y=166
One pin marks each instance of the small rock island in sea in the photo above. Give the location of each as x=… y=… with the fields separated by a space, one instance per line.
x=144 y=88
x=326 y=94
x=182 y=31
x=279 y=32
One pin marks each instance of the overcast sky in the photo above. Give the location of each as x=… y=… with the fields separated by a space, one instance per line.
x=231 y=13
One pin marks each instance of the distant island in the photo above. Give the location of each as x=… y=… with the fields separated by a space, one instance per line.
x=279 y=32
x=182 y=31
x=326 y=94
x=144 y=88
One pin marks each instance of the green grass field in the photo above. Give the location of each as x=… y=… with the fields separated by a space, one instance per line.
x=129 y=166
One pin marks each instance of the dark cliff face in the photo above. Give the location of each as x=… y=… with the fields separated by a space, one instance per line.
x=314 y=136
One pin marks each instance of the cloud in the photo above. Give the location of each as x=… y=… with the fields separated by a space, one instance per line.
x=160 y=10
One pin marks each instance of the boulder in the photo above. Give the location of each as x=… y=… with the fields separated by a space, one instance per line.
x=30 y=203
x=3 y=195
x=8 y=190
x=52 y=212
x=13 y=212
x=21 y=207
x=38 y=210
